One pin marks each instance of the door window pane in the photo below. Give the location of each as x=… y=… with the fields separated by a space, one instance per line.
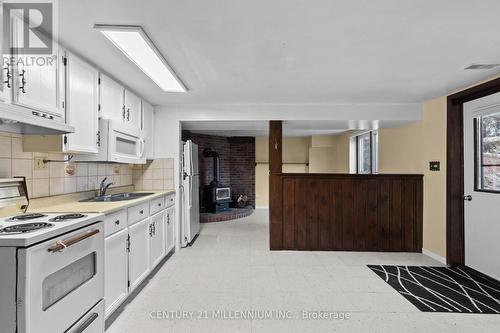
x=375 y=152
x=364 y=153
x=488 y=152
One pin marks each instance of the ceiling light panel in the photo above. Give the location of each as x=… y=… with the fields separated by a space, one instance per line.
x=139 y=48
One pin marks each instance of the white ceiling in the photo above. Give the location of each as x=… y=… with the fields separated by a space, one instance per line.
x=291 y=51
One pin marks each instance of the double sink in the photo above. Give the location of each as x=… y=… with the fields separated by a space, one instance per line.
x=118 y=197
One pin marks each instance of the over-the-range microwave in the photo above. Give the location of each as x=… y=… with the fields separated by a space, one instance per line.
x=118 y=142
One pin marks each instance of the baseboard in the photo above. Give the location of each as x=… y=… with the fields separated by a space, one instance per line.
x=261 y=207
x=434 y=256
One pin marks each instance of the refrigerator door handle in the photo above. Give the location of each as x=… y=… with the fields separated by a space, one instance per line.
x=190 y=192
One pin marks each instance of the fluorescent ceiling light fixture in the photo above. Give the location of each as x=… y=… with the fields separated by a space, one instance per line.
x=482 y=66
x=139 y=48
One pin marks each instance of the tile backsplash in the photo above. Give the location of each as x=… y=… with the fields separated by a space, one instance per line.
x=154 y=175
x=68 y=177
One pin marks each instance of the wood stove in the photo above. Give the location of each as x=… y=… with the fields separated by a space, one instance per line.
x=217 y=197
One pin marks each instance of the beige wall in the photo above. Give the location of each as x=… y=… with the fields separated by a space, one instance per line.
x=329 y=153
x=409 y=149
x=295 y=159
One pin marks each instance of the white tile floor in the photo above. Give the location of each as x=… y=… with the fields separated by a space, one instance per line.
x=230 y=268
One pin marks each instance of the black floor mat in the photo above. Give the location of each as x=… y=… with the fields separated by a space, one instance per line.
x=443 y=289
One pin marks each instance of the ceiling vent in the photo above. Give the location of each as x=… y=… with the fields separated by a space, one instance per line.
x=482 y=66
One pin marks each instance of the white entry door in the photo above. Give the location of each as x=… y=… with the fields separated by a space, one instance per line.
x=482 y=184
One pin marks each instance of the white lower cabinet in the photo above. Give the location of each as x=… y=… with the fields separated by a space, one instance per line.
x=139 y=253
x=115 y=270
x=133 y=249
x=157 y=241
x=169 y=229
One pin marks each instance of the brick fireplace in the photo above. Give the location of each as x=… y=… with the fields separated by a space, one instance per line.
x=237 y=164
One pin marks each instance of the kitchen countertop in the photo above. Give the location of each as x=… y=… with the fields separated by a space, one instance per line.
x=75 y=206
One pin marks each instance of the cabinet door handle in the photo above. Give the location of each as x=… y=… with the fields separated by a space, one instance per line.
x=22 y=87
x=117 y=222
x=123 y=113
x=159 y=205
x=128 y=114
x=150 y=230
x=8 y=76
x=141 y=212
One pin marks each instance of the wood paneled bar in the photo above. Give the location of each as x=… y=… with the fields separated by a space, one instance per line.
x=350 y=212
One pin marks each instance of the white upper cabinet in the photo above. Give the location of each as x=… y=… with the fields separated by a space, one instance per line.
x=148 y=130
x=38 y=80
x=133 y=109
x=82 y=104
x=111 y=99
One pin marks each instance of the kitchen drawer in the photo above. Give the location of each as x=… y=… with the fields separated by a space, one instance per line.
x=138 y=213
x=170 y=200
x=156 y=205
x=91 y=322
x=115 y=222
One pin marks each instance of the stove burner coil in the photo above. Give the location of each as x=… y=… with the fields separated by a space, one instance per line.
x=25 y=217
x=66 y=217
x=26 y=227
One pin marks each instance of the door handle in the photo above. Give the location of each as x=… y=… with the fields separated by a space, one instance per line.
x=468 y=197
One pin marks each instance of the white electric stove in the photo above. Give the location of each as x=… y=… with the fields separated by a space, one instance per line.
x=51 y=276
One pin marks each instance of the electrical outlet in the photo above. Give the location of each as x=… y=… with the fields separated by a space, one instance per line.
x=39 y=164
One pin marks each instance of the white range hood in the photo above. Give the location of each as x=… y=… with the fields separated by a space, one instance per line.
x=25 y=121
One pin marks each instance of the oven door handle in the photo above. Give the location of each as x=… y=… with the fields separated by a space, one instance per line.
x=62 y=244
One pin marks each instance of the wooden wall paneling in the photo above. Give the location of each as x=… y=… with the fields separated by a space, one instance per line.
x=300 y=214
x=325 y=222
x=336 y=214
x=409 y=215
x=419 y=218
x=275 y=186
x=396 y=229
x=312 y=207
x=384 y=213
x=289 y=214
x=275 y=212
x=359 y=214
x=372 y=231
x=348 y=214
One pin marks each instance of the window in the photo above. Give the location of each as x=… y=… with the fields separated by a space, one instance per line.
x=367 y=152
x=487 y=152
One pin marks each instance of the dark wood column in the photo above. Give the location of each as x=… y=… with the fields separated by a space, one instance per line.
x=275 y=185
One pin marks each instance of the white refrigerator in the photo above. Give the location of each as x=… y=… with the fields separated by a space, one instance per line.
x=190 y=197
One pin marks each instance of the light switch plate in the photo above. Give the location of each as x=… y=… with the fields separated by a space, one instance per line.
x=434 y=166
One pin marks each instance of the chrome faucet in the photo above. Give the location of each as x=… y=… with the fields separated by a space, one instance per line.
x=104 y=187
